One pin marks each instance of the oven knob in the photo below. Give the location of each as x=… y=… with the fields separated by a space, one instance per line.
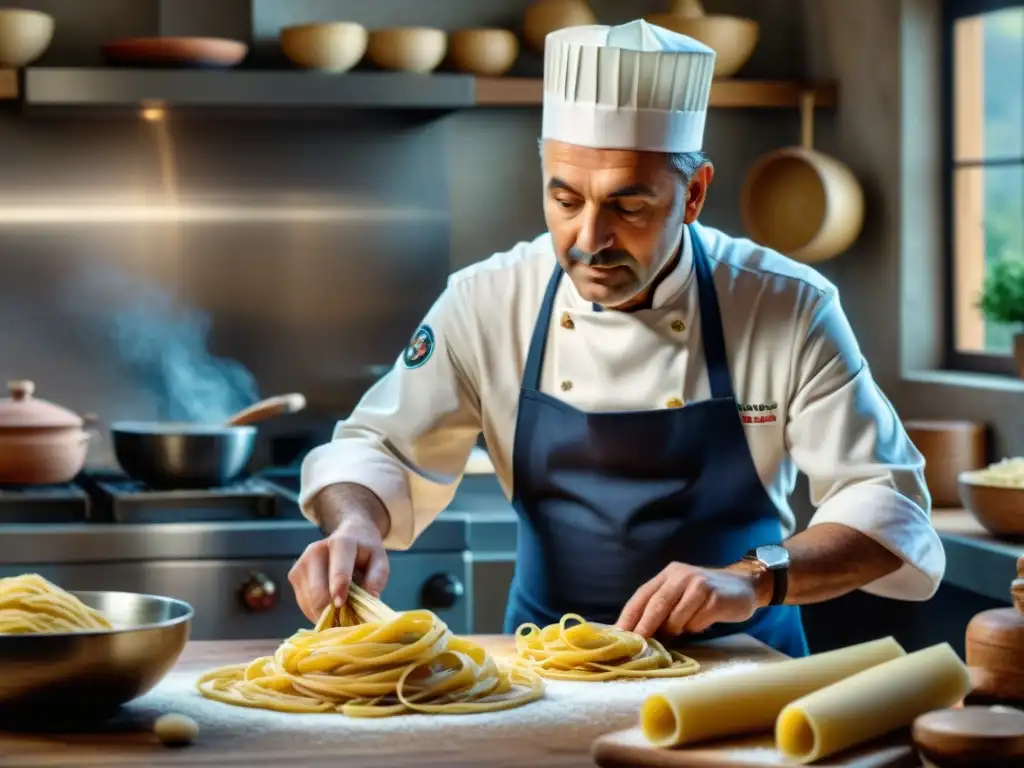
x=441 y=591
x=259 y=593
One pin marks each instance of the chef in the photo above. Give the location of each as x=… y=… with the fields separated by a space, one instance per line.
x=648 y=388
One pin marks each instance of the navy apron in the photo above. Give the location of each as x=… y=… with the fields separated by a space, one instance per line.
x=606 y=500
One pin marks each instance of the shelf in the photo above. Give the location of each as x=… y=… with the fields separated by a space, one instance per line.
x=725 y=93
x=117 y=87
x=8 y=84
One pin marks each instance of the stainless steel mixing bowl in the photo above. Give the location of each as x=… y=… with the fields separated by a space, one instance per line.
x=89 y=675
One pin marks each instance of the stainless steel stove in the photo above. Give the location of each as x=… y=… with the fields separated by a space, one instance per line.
x=227 y=551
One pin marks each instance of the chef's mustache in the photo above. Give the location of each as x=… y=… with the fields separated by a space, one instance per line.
x=607 y=258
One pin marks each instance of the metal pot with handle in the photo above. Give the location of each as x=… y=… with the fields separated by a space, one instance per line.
x=41 y=443
x=183 y=455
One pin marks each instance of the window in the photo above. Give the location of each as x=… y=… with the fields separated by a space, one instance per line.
x=984 y=75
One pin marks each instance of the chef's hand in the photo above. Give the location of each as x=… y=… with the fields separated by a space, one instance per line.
x=685 y=598
x=356 y=522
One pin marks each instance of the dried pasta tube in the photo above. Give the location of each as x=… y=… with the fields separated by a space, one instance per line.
x=750 y=700
x=872 y=703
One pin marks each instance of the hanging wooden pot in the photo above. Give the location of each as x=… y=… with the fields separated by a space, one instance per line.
x=801 y=202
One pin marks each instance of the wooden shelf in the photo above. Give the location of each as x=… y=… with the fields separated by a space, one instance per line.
x=8 y=84
x=725 y=93
x=72 y=86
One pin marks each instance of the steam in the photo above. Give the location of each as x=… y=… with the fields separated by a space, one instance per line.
x=164 y=343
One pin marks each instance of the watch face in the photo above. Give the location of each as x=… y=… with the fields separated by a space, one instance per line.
x=773 y=556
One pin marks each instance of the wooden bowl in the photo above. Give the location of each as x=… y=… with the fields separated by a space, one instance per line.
x=971 y=737
x=545 y=16
x=732 y=38
x=408 y=49
x=484 y=52
x=203 y=52
x=24 y=36
x=999 y=509
x=330 y=46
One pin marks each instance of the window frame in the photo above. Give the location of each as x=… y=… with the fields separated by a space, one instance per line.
x=954 y=359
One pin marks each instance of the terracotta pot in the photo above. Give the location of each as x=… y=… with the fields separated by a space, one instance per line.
x=40 y=443
x=1018 y=352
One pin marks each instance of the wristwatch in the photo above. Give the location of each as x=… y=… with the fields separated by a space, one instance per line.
x=776 y=559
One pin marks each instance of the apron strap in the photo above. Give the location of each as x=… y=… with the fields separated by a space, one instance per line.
x=711 y=324
x=539 y=340
x=712 y=337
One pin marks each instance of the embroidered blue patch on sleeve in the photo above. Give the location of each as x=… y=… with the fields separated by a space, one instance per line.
x=420 y=349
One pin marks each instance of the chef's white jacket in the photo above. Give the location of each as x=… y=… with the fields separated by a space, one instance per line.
x=804 y=392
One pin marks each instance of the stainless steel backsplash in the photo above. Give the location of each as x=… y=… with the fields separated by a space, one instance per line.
x=147 y=275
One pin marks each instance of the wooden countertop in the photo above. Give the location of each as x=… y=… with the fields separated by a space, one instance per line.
x=545 y=741
x=976 y=560
x=962 y=523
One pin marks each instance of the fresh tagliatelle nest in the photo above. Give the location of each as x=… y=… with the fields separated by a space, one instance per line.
x=575 y=649
x=365 y=660
x=31 y=605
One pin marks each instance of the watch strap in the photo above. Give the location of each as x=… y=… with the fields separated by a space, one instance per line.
x=780 y=585
x=780 y=579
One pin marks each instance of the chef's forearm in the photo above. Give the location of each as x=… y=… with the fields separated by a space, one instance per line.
x=828 y=561
x=337 y=501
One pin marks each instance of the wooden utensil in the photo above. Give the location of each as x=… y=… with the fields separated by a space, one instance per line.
x=949 y=448
x=801 y=202
x=631 y=748
x=278 y=405
x=971 y=737
x=995 y=647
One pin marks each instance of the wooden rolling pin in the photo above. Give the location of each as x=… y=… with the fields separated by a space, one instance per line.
x=949 y=448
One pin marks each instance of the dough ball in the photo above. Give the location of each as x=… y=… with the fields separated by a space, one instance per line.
x=175 y=729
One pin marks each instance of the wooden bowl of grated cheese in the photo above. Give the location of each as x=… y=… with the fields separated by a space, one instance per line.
x=995 y=496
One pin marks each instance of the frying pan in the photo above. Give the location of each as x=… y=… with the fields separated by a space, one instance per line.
x=169 y=455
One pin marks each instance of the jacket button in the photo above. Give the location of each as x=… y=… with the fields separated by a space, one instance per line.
x=678 y=326
x=673 y=402
x=567 y=322
x=566 y=385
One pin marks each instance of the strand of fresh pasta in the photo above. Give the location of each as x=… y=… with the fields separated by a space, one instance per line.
x=366 y=660
x=588 y=651
x=31 y=605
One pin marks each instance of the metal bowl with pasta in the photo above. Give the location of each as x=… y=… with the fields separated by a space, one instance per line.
x=88 y=675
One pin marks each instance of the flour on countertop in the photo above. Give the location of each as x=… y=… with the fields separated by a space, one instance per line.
x=566 y=707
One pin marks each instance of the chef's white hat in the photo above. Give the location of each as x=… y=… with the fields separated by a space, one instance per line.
x=634 y=86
